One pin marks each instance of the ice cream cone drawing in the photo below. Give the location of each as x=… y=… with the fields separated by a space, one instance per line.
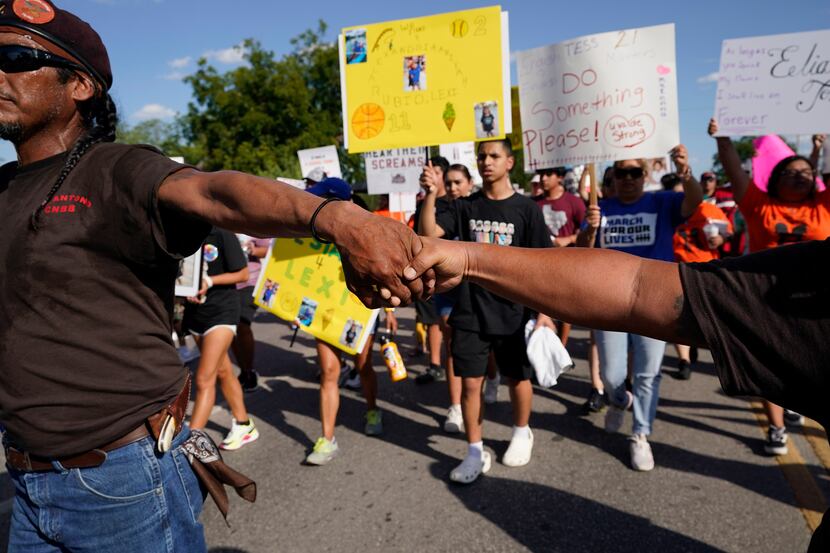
x=449 y=116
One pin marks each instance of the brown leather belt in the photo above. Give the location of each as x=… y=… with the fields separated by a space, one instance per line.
x=24 y=462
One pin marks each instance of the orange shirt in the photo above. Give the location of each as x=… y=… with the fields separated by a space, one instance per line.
x=398 y=216
x=690 y=241
x=772 y=223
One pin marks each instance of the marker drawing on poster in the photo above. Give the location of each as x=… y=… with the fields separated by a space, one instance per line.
x=599 y=98
x=426 y=80
x=777 y=84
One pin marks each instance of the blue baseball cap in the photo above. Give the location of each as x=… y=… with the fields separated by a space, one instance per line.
x=331 y=186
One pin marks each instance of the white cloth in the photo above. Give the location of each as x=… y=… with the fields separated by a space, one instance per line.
x=547 y=355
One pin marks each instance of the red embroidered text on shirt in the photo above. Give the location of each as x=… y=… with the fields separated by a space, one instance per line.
x=69 y=203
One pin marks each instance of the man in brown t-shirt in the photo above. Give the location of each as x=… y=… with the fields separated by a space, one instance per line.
x=92 y=235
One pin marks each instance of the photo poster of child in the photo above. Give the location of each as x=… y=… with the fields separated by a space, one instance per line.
x=356 y=46
x=351 y=332
x=269 y=291
x=486 y=117
x=308 y=308
x=414 y=73
x=189 y=280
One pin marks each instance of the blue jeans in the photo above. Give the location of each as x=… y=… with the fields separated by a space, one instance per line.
x=647 y=358
x=137 y=501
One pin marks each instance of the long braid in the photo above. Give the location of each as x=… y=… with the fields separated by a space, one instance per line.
x=101 y=119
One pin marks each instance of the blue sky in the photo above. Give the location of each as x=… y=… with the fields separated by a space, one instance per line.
x=153 y=43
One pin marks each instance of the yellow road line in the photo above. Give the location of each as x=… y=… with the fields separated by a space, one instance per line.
x=808 y=495
x=817 y=438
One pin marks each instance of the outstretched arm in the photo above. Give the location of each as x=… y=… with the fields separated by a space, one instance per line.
x=374 y=249
x=728 y=156
x=596 y=288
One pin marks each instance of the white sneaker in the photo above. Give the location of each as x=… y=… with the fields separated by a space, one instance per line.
x=491 y=390
x=615 y=415
x=239 y=435
x=471 y=468
x=519 y=450
x=641 y=457
x=455 y=421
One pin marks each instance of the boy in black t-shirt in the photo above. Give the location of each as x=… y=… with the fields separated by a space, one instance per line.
x=483 y=322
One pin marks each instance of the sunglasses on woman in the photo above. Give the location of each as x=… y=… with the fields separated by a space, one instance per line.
x=18 y=59
x=630 y=172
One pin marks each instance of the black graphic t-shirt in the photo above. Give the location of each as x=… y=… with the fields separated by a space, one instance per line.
x=85 y=300
x=515 y=221
x=221 y=253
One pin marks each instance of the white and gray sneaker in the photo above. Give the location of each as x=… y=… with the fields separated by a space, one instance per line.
x=776 y=443
x=641 y=456
x=455 y=421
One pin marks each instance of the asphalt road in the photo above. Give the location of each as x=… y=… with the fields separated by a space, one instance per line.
x=712 y=489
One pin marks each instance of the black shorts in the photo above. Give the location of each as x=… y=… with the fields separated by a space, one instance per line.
x=471 y=351
x=426 y=311
x=247 y=307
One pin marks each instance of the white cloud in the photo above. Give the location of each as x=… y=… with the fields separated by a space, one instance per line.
x=710 y=78
x=179 y=63
x=174 y=76
x=153 y=111
x=229 y=56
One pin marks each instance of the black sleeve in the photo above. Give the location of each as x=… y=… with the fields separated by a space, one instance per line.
x=447 y=218
x=137 y=176
x=766 y=319
x=235 y=259
x=538 y=233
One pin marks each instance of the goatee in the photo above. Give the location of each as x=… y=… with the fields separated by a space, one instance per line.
x=12 y=132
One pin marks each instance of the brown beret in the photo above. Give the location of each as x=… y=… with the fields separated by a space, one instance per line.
x=60 y=32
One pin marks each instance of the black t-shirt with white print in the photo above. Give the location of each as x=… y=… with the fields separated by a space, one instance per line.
x=514 y=221
x=221 y=253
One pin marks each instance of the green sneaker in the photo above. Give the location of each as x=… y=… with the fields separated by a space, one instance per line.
x=323 y=452
x=374 y=423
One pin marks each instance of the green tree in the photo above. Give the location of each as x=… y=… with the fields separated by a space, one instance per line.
x=254 y=118
x=745 y=151
x=165 y=136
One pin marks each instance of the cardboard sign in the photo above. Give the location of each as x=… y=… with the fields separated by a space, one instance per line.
x=403 y=203
x=302 y=282
x=599 y=98
x=394 y=171
x=189 y=280
x=826 y=154
x=778 y=84
x=428 y=80
x=325 y=158
x=463 y=153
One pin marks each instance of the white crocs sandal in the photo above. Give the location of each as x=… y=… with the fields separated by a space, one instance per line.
x=470 y=468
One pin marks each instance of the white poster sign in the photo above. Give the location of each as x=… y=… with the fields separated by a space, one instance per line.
x=394 y=171
x=463 y=153
x=778 y=84
x=325 y=158
x=405 y=202
x=599 y=98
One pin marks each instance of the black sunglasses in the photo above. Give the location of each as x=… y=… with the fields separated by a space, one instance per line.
x=631 y=172
x=18 y=59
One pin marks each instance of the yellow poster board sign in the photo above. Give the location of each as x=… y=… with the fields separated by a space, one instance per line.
x=302 y=282
x=429 y=80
